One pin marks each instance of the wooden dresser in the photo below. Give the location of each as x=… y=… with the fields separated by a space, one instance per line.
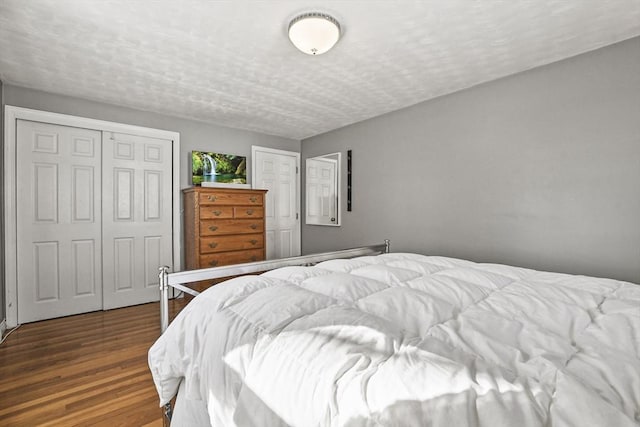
x=223 y=226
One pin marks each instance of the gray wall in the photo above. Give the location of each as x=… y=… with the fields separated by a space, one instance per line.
x=194 y=135
x=2 y=307
x=540 y=169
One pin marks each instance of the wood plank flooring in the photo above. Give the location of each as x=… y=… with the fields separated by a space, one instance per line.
x=84 y=370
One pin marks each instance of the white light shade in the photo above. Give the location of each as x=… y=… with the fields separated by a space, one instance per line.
x=314 y=33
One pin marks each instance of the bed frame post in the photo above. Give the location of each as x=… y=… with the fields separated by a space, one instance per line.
x=163 y=279
x=168 y=413
x=387 y=246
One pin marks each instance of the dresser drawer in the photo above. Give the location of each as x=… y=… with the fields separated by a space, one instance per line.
x=226 y=258
x=231 y=226
x=221 y=198
x=230 y=243
x=247 y=212
x=214 y=212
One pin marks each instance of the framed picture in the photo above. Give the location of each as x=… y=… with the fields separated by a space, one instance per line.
x=218 y=170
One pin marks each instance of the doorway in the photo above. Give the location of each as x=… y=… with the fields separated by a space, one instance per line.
x=278 y=172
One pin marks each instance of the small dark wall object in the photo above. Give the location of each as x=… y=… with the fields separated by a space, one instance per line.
x=348 y=180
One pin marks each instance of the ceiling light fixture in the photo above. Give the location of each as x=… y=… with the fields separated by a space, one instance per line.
x=314 y=33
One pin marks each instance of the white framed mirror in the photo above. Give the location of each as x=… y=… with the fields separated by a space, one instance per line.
x=323 y=190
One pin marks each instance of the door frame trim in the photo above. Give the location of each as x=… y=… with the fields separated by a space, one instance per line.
x=256 y=148
x=11 y=115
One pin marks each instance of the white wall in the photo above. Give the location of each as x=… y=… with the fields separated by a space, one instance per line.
x=540 y=169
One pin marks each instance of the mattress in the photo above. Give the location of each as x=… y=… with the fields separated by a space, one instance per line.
x=407 y=340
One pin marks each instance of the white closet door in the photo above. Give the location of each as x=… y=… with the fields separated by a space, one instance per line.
x=276 y=172
x=58 y=221
x=136 y=220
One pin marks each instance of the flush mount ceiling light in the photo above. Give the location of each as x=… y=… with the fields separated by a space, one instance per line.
x=314 y=33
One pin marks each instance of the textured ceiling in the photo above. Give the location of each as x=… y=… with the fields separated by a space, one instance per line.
x=230 y=62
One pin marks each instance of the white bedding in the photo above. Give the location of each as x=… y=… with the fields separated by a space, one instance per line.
x=407 y=340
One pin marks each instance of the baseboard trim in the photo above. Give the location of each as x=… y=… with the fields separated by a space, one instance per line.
x=3 y=328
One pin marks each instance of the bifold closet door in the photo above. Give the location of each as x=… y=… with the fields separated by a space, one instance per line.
x=58 y=211
x=137 y=217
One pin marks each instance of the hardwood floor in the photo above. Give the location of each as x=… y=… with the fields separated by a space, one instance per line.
x=84 y=370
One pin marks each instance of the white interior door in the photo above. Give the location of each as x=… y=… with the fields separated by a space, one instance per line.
x=277 y=171
x=58 y=220
x=136 y=224
x=321 y=191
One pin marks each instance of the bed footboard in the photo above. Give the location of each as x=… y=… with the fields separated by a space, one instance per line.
x=178 y=279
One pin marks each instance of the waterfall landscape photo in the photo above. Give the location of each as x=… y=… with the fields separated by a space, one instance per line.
x=207 y=167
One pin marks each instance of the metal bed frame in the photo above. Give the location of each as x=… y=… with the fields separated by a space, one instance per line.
x=178 y=279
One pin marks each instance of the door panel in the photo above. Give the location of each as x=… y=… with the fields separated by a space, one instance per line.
x=123 y=265
x=83 y=261
x=137 y=217
x=277 y=172
x=45 y=190
x=47 y=281
x=152 y=195
x=82 y=196
x=152 y=260
x=58 y=220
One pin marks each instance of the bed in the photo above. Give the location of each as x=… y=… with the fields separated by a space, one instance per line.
x=401 y=339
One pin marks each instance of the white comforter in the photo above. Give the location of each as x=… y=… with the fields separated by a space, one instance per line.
x=408 y=340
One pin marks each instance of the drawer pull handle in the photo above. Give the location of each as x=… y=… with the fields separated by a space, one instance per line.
x=213 y=228
x=253 y=241
x=254 y=258
x=213 y=245
x=253 y=199
x=211 y=198
x=253 y=226
x=217 y=213
x=213 y=263
x=249 y=211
